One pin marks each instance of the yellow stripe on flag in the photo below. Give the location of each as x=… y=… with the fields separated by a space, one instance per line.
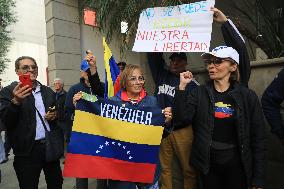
x=89 y=123
x=107 y=56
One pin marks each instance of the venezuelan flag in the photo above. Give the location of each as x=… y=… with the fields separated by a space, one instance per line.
x=106 y=148
x=111 y=70
x=223 y=110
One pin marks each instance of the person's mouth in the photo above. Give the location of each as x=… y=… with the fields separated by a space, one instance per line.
x=138 y=87
x=211 y=73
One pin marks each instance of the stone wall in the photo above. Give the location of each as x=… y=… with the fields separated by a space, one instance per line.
x=63 y=40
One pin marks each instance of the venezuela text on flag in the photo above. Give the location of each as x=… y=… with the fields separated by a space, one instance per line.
x=112 y=141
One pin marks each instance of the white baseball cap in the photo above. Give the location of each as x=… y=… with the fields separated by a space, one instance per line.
x=222 y=52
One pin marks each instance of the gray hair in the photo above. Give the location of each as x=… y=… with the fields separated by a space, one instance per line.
x=59 y=79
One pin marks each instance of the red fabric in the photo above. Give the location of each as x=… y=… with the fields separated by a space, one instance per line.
x=116 y=85
x=86 y=166
x=124 y=96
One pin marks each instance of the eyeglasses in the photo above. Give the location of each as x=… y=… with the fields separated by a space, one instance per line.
x=216 y=61
x=26 y=68
x=133 y=79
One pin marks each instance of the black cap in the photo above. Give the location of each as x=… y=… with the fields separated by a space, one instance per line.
x=181 y=55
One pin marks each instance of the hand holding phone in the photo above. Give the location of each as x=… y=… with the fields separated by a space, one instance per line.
x=20 y=93
x=51 y=109
x=25 y=79
x=50 y=114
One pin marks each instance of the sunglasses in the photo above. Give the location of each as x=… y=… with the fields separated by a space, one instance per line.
x=216 y=61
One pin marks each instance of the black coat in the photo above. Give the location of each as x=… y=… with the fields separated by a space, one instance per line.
x=60 y=105
x=271 y=100
x=60 y=109
x=197 y=109
x=20 y=121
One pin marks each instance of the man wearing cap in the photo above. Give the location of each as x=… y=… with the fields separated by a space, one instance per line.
x=177 y=139
x=89 y=77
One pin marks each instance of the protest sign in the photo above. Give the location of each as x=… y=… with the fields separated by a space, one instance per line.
x=182 y=28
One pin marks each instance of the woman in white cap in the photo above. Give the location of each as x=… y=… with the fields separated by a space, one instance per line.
x=227 y=120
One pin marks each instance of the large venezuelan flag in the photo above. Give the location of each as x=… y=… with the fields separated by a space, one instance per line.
x=106 y=148
x=111 y=70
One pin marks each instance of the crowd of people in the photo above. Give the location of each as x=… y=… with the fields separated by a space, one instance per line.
x=215 y=130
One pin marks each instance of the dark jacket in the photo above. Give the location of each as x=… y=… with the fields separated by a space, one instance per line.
x=197 y=109
x=97 y=88
x=272 y=97
x=20 y=120
x=234 y=39
x=165 y=81
x=60 y=105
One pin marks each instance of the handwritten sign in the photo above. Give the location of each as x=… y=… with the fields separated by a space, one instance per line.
x=182 y=28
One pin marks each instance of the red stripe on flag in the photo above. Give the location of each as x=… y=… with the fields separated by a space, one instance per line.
x=86 y=166
x=116 y=85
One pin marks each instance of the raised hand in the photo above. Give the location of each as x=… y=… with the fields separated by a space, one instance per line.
x=91 y=59
x=185 y=78
x=218 y=15
x=20 y=93
x=77 y=97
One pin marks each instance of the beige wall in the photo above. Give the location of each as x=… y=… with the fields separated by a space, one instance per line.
x=63 y=40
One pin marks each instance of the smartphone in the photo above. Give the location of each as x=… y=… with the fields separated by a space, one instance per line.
x=25 y=79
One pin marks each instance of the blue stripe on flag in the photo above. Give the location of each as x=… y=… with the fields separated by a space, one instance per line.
x=114 y=70
x=87 y=144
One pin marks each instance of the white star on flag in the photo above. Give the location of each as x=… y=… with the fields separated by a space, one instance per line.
x=106 y=143
x=101 y=146
x=97 y=151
